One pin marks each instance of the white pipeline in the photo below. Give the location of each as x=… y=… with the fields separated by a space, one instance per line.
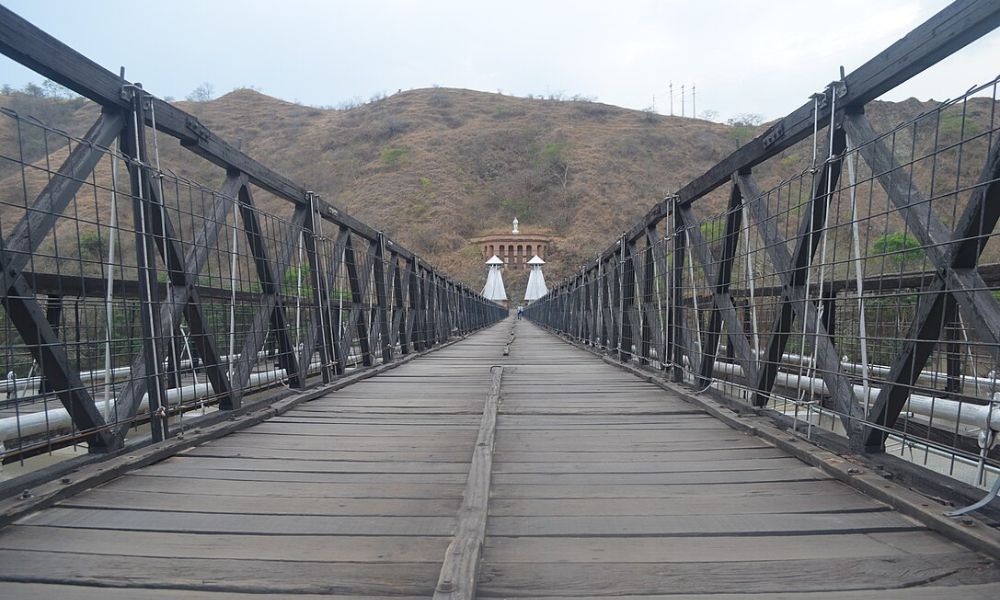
x=937 y=409
x=926 y=377
x=30 y=383
x=57 y=419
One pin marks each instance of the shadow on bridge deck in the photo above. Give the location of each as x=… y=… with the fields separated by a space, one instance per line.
x=602 y=486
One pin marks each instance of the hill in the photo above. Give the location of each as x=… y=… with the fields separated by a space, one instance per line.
x=436 y=167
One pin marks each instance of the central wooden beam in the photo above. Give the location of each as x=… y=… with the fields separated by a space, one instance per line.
x=460 y=570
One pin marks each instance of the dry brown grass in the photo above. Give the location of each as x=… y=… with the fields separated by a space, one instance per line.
x=435 y=167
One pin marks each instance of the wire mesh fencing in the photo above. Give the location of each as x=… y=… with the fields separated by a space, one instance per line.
x=137 y=299
x=858 y=295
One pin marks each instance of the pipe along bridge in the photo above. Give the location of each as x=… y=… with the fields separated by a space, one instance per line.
x=242 y=392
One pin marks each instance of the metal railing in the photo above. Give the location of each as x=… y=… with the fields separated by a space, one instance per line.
x=135 y=298
x=859 y=295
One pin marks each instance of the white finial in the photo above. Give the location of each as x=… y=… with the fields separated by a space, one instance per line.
x=515 y=226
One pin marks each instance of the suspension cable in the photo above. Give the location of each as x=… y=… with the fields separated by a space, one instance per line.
x=110 y=288
x=858 y=274
x=823 y=244
x=170 y=285
x=140 y=195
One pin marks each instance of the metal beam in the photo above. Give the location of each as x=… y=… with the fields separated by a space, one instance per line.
x=271 y=277
x=827 y=358
x=41 y=216
x=793 y=271
x=954 y=255
x=724 y=310
x=720 y=280
x=386 y=344
x=954 y=27
x=359 y=287
x=264 y=316
x=19 y=299
x=182 y=274
x=49 y=352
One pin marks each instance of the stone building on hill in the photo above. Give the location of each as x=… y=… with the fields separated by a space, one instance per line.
x=515 y=247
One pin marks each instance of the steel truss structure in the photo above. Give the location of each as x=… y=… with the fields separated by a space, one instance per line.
x=871 y=254
x=299 y=300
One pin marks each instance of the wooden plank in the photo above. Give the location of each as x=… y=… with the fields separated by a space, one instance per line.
x=331 y=455
x=309 y=489
x=765 y=577
x=253 y=576
x=460 y=569
x=651 y=549
x=443 y=506
x=987 y=591
x=178 y=465
x=690 y=442
x=652 y=467
x=307 y=477
x=597 y=505
x=701 y=525
x=278 y=525
x=42 y=591
x=732 y=502
x=313 y=548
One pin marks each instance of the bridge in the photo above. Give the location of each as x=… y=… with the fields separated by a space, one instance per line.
x=244 y=392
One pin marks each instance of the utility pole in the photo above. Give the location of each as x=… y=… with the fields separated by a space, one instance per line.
x=671 y=86
x=682 y=99
x=694 y=109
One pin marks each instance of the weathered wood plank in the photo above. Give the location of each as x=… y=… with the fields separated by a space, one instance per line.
x=42 y=591
x=277 y=489
x=575 y=579
x=266 y=505
x=616 y=504
x=166 y=544
x=834 y=500
x=187 y=522
x=648 y=549
x=253 y=576
x=701 y=525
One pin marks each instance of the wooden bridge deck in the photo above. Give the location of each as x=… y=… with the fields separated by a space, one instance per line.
x=603 y=486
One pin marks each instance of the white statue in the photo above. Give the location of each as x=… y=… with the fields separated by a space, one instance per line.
x=515 y=231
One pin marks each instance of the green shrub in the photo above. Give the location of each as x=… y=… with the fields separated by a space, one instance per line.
x=952 y=125
x=91 y=245
x=713 y=230
x=393 y=156
x=901 y=248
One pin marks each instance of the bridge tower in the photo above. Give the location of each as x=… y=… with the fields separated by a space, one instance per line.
x=494 y=289
x=536 y=281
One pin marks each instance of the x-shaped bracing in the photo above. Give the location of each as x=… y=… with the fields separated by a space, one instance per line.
x=954 y=255
x=793 y=269
x=19 y=299
x=719 y=276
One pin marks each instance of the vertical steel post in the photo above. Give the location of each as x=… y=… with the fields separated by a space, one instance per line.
x=133 y=145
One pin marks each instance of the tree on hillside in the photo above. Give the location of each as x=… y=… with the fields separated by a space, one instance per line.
x=744 y=126
x=553 y=159
x=745 y=120
x=202 y=93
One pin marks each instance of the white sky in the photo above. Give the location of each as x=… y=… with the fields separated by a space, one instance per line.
x=762 y=57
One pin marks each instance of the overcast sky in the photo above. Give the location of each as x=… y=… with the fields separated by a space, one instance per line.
x=762 y=57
